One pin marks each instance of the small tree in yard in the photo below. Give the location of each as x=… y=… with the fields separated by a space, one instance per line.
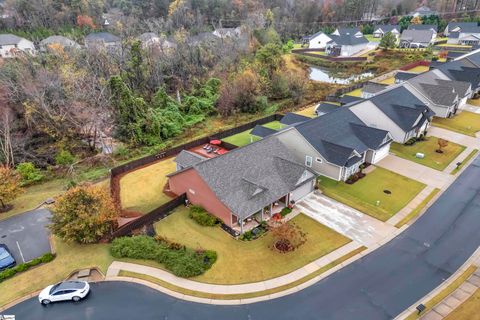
x=10 y=187
x=442 y=143
x=84 y=215
x=389 y=41
x=287 y=236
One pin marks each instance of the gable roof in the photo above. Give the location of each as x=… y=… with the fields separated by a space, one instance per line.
x=346 y=99
x=348 y=30
x=462 y=70
x=187 y=158
x=292 y=118
x=461 y=25
x=9 y=39
x=405 y=75
x=338 y=134
x=347 y=40
x=326 y=107
x=102 y=36
x=64 y=41
x=420 y=36
x=261 y=131
x=310 y=37
x=423 y=27
x=426 y=83
x=387 y=27
x=374 y=87
x=251 y=177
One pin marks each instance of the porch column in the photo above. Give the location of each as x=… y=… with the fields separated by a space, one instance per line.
x=261 y=214
x=271 y=210
x=241 y=226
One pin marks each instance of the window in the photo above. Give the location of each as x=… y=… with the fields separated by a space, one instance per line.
x=319 y=160
x=308 y=161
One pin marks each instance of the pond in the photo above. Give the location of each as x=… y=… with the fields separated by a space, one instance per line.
x=327 y=75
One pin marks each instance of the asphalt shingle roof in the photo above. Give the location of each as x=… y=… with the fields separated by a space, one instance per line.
x=346 y=99
x=348 y=30
x=347 y=40
x=420 y=36
x=292 y=118
x=387 y=27
x=9 y=39
x=64 y=41
x=252 y=177
x=423 y=27
x=404 y=76
x=338 y=133
x=373 y=87
x=104 y=36
x=261 y=131
x=187 y=159
x=326 y=107
x=462 y=25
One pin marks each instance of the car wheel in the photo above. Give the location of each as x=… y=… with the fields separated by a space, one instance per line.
x=76 y=299
x=45 y=302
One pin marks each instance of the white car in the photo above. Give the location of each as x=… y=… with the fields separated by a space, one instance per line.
x=62 y=291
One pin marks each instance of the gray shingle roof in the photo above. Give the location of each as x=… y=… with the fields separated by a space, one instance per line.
x=461 y=87
x=63 y=41
x=348 y=30
x=9 y=39
x=252 y=177
x=187 y=158
x=423 y=27
x=292 y=118
x=347 y=40
x=404 y=75
x=102 y=36
x=346 y=99
x=387 y=27
x=326 y=107
x=338 y=133
x=420 y=36
x=373 y=87
x=310 y=37
x=439 y=94
x=461 y=25
x=261 y=131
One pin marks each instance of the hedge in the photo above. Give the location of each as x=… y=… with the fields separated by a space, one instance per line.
x=202 y=217
x=181 y=261
x=8 y=273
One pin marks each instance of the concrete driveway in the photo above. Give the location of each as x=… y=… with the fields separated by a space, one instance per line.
x=415 y=171
x=351 y=223
x=454 y=137
x=26 y=235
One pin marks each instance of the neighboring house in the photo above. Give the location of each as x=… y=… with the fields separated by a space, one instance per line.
x=102 y=39
x=459 y=27
x=418 y=27
x=402 y=76
x=469 y=35
x=152 y=40
x=372 y=88
x=261 y=132
x=380 y=30
x=464 y=69
x=246 y=184
x=397 y=111
x=442 y=95
x=12 y=45
x=291 y=118
x=227 y=32
x=61 y=41
x=325 y=107
x=416 y=38
x=451 y=55
x=206 y=38
x=336 y=144
x=346 y=45
x=352 y=31
x=318 y=40
x=423 y=11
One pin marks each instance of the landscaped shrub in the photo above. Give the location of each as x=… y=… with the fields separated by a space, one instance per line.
x=64 y=158
x=202 y=217
x=411 y=141
x=256 y=232
x=8 y=273
x=30 y=174
x=169 y=243
x=285 y=211
x=182 y=262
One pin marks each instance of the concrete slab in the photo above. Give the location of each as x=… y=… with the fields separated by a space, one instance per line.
x=454 y=137
x=475 y=280
x=452 y=302
x=442 y=309
x=432 y=315
x=460 y=294
x=26 y=235
x=468 y=287
x=415 y=171
x=344 y=219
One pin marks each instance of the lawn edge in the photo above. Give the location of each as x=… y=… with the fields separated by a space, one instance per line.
x=465 y=161
x=422 y=206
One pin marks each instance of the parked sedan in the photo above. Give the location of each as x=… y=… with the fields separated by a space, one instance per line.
x=63 y=291
x=6 y=258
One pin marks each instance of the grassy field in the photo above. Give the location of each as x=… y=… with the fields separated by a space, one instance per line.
x=419 y=69
x=468 y=309
x=388 y=81
x=364 y=194
x=435 y=160
x=371 y=38
x=417 y=210
x=474 y=102
x=465 y=122
x=465 y=161
x=248 y=261
x=142 y=190
x=244 y=138
x=355 y=93
x=308 y=112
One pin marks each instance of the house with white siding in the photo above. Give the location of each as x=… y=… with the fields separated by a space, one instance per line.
x=12 y=45
x=318 y=40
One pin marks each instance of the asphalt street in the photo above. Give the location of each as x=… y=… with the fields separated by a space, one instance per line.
x=26 y=235
x=379 y=286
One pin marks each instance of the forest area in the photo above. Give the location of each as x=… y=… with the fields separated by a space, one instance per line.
x=59 y=106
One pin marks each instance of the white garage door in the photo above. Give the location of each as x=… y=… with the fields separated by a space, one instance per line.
x=382 y=153
x=302 y=191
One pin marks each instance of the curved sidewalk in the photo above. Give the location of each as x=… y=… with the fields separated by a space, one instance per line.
x=117 y=266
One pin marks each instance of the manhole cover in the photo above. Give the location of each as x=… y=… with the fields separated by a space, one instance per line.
x=4 y=236
x=387 y=191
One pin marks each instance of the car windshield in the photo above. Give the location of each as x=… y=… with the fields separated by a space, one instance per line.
x=54 y=288
x=3 y=254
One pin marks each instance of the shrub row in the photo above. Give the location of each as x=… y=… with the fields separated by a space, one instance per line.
x=202 y=217
x=8 y=273
x=255 y=233
x=181 y=261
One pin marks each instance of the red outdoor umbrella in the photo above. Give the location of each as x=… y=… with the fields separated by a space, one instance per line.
x=215 y=142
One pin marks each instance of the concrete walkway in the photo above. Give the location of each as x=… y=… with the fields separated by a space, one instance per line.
x=345 y=220
x=412 y=205
x=471 y=108
x=454 y=137
x=458 y=159
x=116 y=266
x=415 y=171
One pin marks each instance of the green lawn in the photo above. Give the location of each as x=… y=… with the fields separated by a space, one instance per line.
x=465 y=122
x=33 y=196
x=355 y=93
x=419 y=69
x=388 y=81
x=371 y=38
x=244 y=138
x=465 y=161
x=308 y=112
x=419 y=208
x=438 y=161
x=248 y=261
x=364 y=194
x=142 y=190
